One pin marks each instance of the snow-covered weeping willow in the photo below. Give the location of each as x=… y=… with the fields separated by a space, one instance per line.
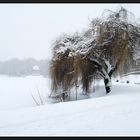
x=101 y=50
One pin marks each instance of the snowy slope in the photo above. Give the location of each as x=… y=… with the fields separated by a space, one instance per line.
x=117 y=113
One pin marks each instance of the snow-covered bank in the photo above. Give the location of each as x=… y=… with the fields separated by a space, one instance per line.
x=15 y=92
x=114 y=114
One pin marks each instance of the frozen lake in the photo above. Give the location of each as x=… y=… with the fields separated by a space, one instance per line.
x=15 y=92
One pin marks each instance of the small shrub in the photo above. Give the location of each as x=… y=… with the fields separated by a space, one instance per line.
x=127 y=81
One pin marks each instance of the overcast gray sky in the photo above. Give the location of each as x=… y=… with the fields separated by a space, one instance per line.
x=27 y=30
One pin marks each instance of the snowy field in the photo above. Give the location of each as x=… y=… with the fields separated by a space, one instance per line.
x=16 y=92
x=116 y=114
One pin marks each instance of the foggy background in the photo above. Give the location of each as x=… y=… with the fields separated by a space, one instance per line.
x=28 y=30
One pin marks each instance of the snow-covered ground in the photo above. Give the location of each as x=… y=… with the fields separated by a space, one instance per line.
x=116 y=114
x=16 y=92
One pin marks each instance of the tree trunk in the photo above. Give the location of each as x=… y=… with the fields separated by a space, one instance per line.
x=107 y=85
x=76 y=92
x=106 y=72
x=107 y=81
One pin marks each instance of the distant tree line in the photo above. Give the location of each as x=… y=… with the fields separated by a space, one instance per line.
x=16 y=67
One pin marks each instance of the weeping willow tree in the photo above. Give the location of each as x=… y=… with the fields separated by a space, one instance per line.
x=107 y=46
x=63 y=69
x=85 y=71
x=114 y=39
